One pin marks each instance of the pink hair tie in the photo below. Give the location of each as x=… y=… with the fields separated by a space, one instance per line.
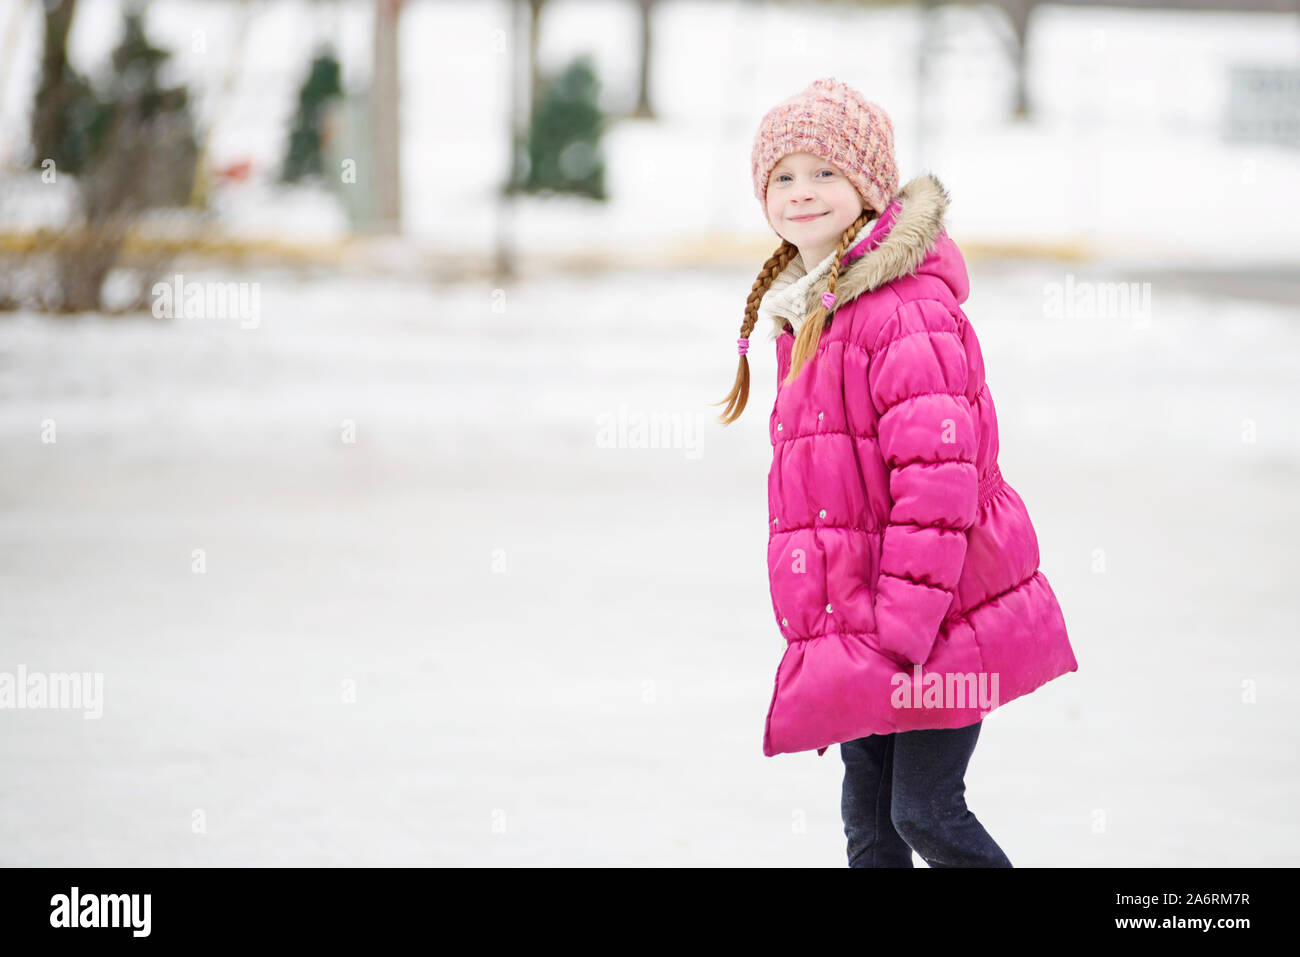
x=743 y=345
x=828 y=299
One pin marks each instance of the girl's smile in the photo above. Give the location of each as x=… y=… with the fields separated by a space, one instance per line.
x=806 y=190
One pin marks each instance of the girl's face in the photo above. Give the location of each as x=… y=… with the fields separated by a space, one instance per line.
x=810 y=202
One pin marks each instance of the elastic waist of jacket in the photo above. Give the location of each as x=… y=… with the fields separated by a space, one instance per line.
x=990 y=484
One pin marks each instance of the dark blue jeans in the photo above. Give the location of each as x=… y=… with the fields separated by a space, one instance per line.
x=905 y=792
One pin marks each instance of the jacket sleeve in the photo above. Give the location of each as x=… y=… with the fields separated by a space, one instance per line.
x=926 y=431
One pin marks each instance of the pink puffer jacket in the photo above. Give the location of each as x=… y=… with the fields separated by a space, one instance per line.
x=895 y=542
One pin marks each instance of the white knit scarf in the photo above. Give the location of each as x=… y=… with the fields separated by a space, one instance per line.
x=789 y=291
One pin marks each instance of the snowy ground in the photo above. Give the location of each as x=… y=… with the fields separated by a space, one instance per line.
x=563 y=652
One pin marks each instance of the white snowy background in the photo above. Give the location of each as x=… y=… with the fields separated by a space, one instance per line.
x=563 y=653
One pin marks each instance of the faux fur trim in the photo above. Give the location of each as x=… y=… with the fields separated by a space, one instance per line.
x=922 y=204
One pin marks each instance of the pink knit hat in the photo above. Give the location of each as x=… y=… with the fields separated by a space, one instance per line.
x=834 y=121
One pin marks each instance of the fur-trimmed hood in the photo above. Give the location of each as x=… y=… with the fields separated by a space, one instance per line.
x=892 y=245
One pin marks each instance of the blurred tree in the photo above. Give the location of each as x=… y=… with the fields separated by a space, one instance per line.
x=384 y=122
x=1017 y=13
x=150 y=149
x=323 y=85
x=644 y=110
x=535 y=8
x=564 y=135
x=69 y=122
x=129 y=144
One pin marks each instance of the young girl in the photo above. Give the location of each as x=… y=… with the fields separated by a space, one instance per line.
x=903 y=568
